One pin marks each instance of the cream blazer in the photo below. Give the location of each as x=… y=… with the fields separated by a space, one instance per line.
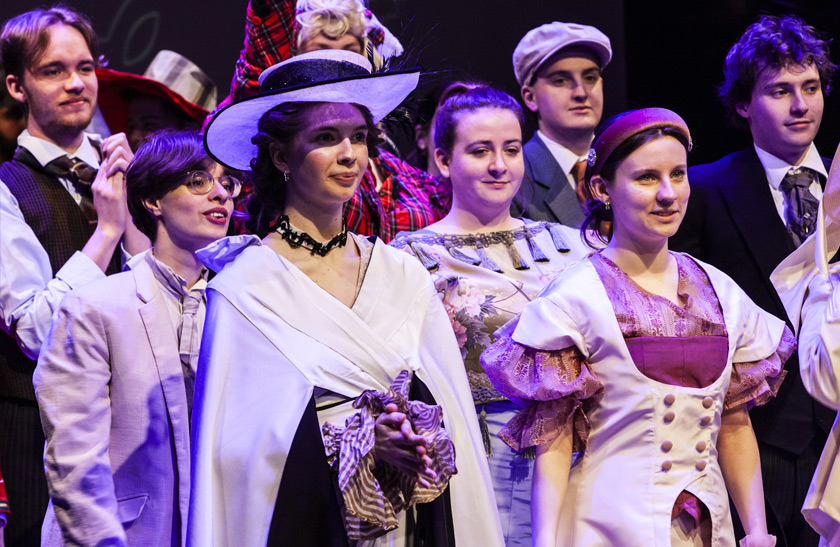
x=113 y=406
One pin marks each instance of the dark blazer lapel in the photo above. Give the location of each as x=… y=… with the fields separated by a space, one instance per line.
x=164 y=345
x=563 y=202
x=542 y=167
x=747 y=195
x=560 y=197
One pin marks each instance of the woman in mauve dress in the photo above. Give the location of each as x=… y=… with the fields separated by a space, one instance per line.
x=637 y=367
x=487 y=265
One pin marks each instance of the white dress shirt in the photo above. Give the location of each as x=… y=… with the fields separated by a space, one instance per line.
x=776 y=169
x=29 y=294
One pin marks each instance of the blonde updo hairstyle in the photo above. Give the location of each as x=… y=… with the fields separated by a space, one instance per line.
x=332 y=18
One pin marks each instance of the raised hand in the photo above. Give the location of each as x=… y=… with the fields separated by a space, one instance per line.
x=109 y=186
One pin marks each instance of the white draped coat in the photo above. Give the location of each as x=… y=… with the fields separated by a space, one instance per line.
x=806 y=284
x=271 y=337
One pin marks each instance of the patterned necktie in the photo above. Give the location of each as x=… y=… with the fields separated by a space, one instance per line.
x=577 y=172
x=188 y=340
x=800 y=205
x=81 y=176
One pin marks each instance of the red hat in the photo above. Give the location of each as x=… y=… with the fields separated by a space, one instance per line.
x=170 y=76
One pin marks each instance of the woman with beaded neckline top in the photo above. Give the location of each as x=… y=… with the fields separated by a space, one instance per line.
x=637 y=367
x=487 y=265
x=327 y=426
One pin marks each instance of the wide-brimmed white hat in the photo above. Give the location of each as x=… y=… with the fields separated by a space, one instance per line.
x=332 y=76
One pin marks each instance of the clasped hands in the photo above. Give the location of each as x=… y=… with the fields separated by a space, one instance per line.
x=398 y=445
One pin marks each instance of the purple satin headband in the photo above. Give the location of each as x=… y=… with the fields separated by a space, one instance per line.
x=629 y=125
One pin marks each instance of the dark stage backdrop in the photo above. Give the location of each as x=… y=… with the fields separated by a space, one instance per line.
x=131 y=32
x=666 y=53
x=476 y=36
x=675 y=54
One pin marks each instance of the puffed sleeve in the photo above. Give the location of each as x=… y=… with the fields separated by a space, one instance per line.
x=754 y=383
x=552 y=380
x=763 y=346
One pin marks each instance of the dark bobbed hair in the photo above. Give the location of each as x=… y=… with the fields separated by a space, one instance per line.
x=280 y=125
x=597 y=212
x=771 y=42
x=25 y=38
x=159 y=166
x=468 y=97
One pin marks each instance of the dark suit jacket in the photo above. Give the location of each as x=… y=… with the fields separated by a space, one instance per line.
x=546 y=193
x=732 y=223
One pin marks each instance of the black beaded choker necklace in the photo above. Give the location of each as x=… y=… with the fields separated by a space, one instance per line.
x=296 y=238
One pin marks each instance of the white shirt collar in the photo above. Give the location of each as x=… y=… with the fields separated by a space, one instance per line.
x=562 y=155
x=44 y=151
x=776 y=168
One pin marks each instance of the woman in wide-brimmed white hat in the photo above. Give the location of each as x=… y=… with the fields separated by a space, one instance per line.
x=328 y=366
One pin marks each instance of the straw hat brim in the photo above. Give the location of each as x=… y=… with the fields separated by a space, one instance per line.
x=227 y=137
x=114 y=109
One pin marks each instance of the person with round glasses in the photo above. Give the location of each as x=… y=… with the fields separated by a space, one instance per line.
x=201 y=182
x=115 y=379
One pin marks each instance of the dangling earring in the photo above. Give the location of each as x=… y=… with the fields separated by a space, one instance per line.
x=607 y=205
x=286 y=176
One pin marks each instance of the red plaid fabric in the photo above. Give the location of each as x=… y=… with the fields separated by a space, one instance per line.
x=269 y=28
x=409 y=199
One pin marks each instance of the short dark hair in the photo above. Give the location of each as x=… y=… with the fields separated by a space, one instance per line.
x=463 y=96
x=159 y=166
x=24 y=38
x=597 y=212
x=771 y=42
x=280 y=125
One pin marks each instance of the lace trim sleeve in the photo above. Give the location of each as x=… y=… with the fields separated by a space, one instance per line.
x=553 y=386
x=755 y=383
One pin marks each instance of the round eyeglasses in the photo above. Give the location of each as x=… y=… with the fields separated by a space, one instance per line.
x=202 y=182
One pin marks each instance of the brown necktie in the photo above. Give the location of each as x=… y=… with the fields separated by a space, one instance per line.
x=81 y=176
x=577 y=172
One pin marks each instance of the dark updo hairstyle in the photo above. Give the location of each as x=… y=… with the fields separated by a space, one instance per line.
x=468 y=97
x=280 y=125
x=598 y=216
x=160 y=166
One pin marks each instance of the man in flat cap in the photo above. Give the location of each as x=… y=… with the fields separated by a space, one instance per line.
x=558 y=66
